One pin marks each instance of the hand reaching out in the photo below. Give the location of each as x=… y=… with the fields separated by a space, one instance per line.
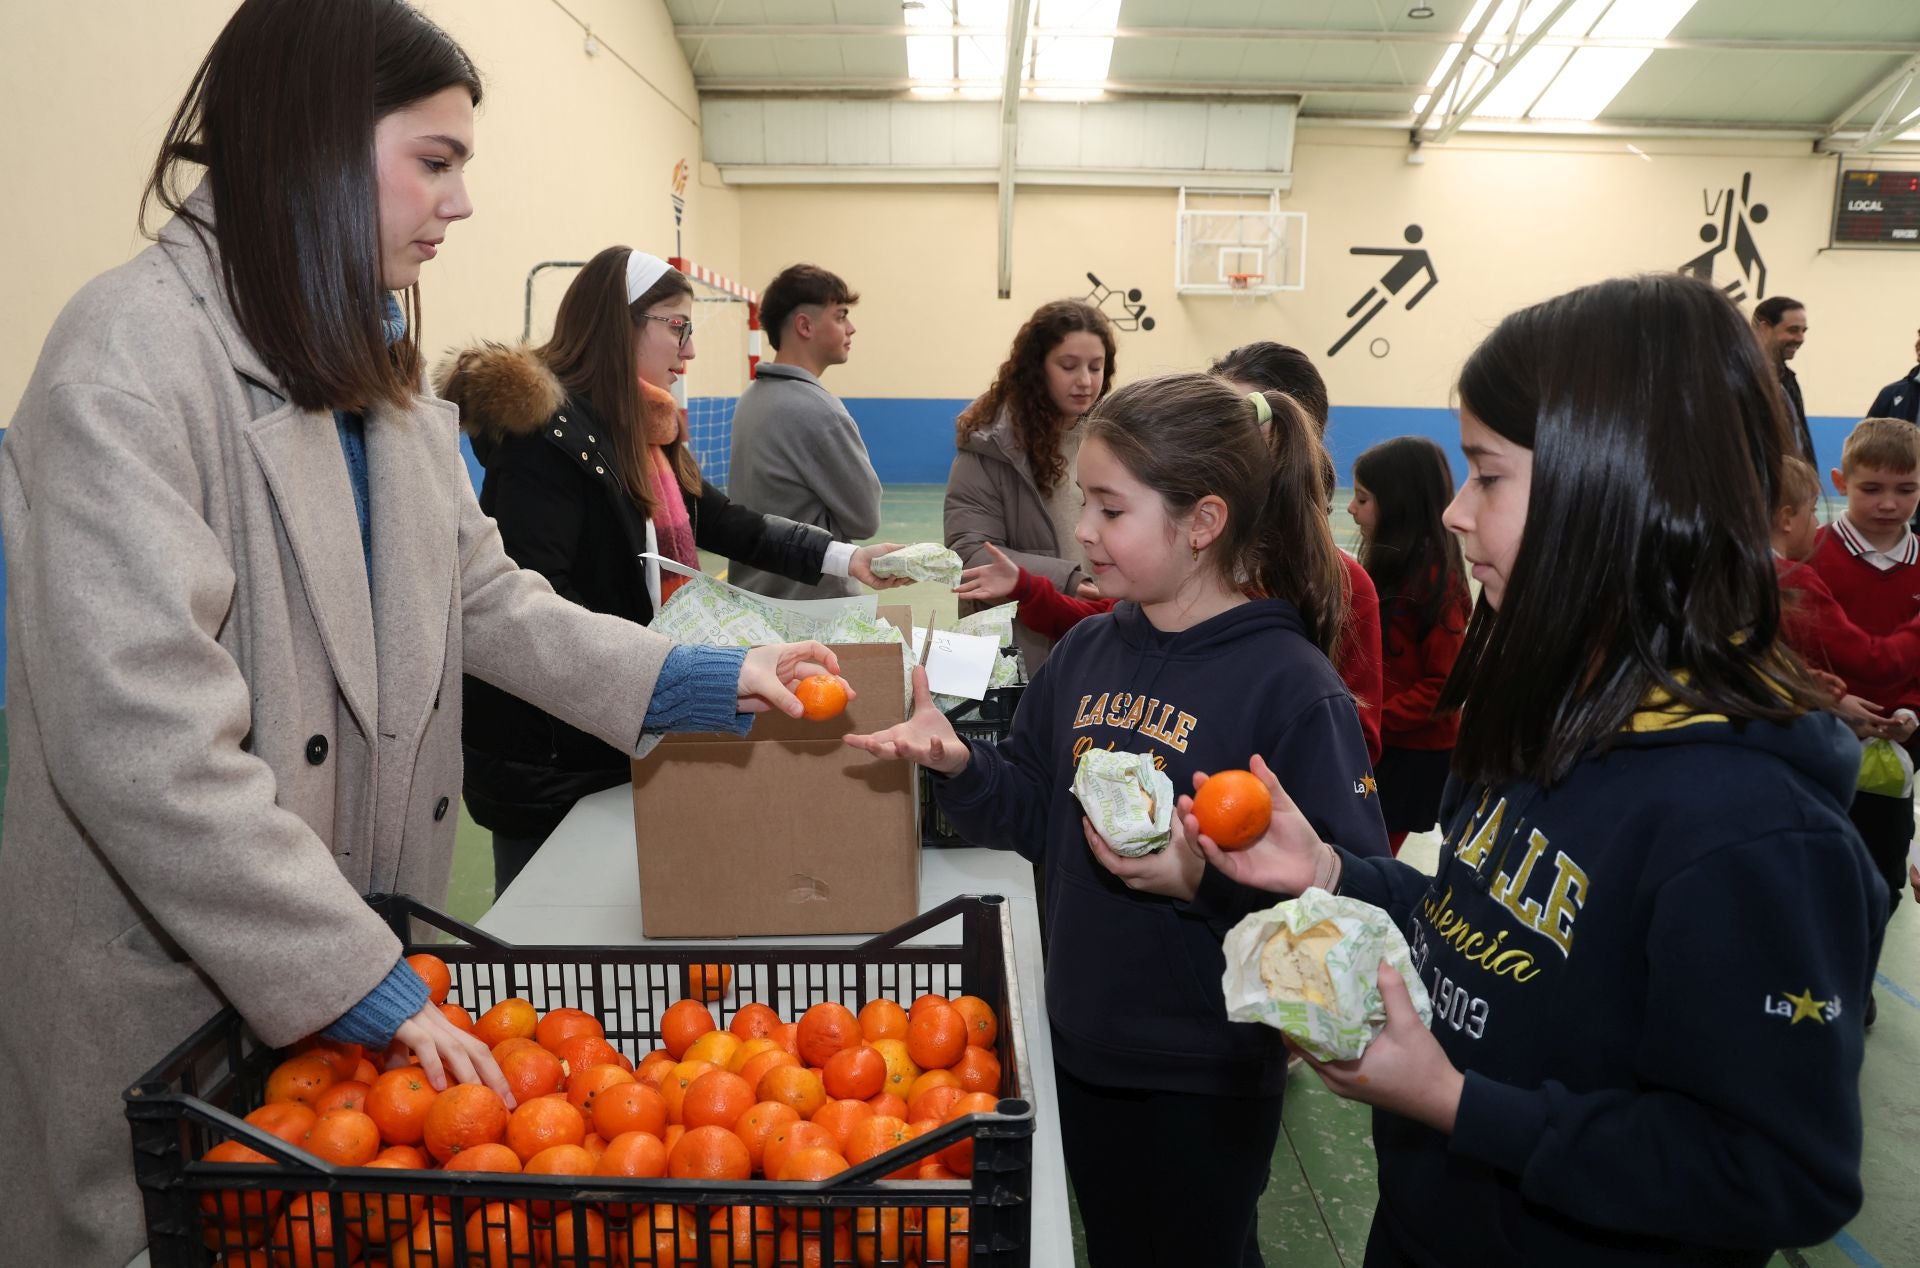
x=990 y=582
x=445 y=1053
x=926 y=738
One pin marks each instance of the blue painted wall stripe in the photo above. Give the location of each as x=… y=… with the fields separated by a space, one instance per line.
x=911 y=441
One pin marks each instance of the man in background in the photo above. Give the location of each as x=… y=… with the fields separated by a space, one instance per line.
x=796 y=450
x=1781 y=325
x=1900 y=399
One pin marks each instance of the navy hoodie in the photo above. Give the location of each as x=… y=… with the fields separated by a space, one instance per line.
x=1133 y=980
x=1653 y=975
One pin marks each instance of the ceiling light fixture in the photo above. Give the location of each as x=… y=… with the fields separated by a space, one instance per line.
x=1420 y=11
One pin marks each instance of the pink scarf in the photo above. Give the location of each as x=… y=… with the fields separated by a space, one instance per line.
x=671 y=524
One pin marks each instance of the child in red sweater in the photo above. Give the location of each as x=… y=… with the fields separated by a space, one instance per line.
x=1400 y=488
x=1868 y=558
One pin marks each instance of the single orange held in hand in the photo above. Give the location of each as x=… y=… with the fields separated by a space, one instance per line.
x=1233 y=808
x=821 y=697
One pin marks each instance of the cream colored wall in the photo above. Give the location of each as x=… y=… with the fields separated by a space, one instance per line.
x=1506 y=222
x=574 y=153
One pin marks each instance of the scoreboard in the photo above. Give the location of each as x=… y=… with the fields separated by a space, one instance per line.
x=1877 y=209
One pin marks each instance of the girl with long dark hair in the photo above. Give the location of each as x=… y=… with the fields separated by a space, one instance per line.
x=1011 y=485
x=1205 y=519
x=247 y=571
x=1400 y=489
x=588 y=473
x=1647 y=945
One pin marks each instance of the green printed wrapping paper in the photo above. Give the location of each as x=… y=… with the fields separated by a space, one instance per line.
x=1321 y=954
x=922 y=561
x=1129 y=802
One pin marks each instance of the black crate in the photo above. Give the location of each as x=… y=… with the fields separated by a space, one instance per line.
x=977 y=722
x=196 y=1097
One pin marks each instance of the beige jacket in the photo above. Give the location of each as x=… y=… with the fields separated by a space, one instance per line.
x=211 y=762
x=992 y=497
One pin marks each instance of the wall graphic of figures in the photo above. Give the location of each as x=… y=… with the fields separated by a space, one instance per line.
x=1731 y=216
x=1409 y=262
x=1126 y=312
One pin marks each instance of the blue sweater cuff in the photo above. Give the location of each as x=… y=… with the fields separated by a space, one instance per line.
x=696 y=691
x=373 y=1021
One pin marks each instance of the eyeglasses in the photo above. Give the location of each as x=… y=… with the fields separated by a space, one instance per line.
x=682 y=327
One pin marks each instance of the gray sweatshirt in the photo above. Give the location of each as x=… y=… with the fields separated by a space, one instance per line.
x=798 y=454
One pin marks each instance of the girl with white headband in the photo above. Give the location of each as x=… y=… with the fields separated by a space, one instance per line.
x=589 y=472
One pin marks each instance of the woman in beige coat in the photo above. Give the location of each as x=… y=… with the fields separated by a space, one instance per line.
x=226 y=723
x=1011 y=485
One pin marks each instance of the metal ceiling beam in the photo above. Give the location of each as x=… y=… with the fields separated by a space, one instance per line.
x=1019 y=19
x=1461 y=57
x=1267 y=34
x=884 y=87
x=1514 y=57
x=1901 y=74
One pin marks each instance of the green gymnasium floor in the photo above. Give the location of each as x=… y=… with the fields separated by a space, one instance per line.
x=1320 y=1199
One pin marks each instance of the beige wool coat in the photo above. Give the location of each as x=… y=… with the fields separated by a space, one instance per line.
x=992 y=497
x=219 y=740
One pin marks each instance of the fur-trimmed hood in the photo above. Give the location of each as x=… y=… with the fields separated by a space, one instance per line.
x=502 y=390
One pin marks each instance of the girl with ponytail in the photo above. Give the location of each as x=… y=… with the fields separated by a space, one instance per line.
x=1204 y=518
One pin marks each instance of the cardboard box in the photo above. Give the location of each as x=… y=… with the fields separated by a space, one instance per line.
x=786 y=830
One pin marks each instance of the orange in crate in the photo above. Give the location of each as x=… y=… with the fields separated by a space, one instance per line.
x=398 y=1103
x=758 y=1125
x=350 y=1094
x=793 y=1085
x=978 y=1070
x=754 y=1021
x=498 y=1236
x=791 y=1139
x=855 y=1073
x=709 y=1153
x=716 y=1099
x=709 y=981
x=532 y=1072
x=638 y=1154
x=824 y=1030
x=562 y=1024
x=302 y=1078
x=743 y=1235
x=465 y=1115
x=982 y=1026
x=882 y=1019
x=491 y=1156
x=344 y=1137
x=387 y=1217
x=936 y=1036
x=682 y=1023
x=584 y=1085
x=629 y=1107
x=542 y=1123
x=289 y=1120
x=840 y=1118
x=1234 y=808
x=509 y=1019
x=306 y=1232
x=810 y=1165
x=434 y=972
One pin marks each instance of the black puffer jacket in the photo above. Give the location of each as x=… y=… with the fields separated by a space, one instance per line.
x=562 y=512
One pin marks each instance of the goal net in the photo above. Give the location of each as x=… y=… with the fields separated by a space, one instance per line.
x=726 y=337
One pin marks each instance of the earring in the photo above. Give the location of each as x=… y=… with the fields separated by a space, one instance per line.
x=1196 y=551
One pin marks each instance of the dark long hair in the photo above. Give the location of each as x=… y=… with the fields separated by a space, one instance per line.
x=1189 y=435
x=1277 y=367
x=591 y=353
x=1021 y=386
x=281 y=115
x=1414 y=561
x=1644 y=564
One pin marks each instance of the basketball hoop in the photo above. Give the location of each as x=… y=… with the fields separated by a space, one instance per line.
x=1244 y=281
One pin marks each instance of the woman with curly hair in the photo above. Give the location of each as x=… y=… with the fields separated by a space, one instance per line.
x=1012 y=480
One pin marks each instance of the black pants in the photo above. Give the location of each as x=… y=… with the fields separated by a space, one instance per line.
x=1886 y=825
x=1167 y=1179
x=510 y=854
